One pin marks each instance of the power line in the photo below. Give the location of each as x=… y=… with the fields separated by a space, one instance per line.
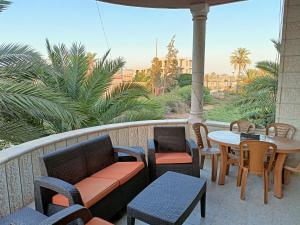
x=102 y=25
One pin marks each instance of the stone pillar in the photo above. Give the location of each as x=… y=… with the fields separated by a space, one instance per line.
x=199 y=13
x=288 y=97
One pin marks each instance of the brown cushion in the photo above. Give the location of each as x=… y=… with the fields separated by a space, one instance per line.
x=98 y=221
x=91 y=190
x=173 y=158
x=121 y=171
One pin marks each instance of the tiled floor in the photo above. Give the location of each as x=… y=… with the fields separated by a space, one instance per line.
x=224 y=206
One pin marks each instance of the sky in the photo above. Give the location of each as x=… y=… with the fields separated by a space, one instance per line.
x=131 y=31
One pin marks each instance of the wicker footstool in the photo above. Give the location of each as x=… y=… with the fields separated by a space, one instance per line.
x=169 y=200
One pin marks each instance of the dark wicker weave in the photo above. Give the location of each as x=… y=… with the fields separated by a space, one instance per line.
x=63 y=168
x=28 y=216
x=169 y=200
x=172 y=139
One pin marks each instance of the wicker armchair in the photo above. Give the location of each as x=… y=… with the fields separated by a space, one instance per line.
x=281 y=130
x=170 y=151
x=206 y=149
x=75 y=214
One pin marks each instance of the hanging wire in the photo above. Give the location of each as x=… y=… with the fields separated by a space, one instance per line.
x=102 y=25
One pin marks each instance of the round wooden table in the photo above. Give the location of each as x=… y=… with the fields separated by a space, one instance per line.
x=226 y=139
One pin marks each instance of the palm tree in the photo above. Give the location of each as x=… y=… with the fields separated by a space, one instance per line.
x=240 y=59
x=259 y=97
x=96 y=98
x=27 y=107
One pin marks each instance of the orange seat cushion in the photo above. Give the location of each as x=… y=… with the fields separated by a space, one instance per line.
x=98 y=221
x=121 y=171
x=91 y=190
x=173 y=158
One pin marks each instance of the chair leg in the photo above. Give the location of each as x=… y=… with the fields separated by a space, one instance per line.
x=244 y=182
x=239 y=177
x=202 y=159
x=227 y=169
x=286 y=176
x=266 y=186
x=214 y=167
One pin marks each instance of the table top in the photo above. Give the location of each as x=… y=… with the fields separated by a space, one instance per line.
x=232 y=139
x=167 y=198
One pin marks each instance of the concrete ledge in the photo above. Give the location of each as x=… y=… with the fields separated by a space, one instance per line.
x=17 y=150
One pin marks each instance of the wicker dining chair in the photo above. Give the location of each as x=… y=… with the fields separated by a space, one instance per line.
x=257 y=152
x=243 y=126
x=206 y=149
x=281 y=130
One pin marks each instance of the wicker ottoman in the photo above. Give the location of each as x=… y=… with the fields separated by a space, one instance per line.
x=169 y=200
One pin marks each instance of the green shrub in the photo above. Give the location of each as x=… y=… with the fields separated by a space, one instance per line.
x=170 y=103
x=184 y=79
x=185 y=94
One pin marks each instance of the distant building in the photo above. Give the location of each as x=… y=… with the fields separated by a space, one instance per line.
x=184 y=64
x=220 y=82
x=123 y=75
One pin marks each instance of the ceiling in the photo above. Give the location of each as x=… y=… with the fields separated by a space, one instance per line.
x=172 y=4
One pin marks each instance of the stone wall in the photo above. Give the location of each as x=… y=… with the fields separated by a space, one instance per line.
x=288 y=98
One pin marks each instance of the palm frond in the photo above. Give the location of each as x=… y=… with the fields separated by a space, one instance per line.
x=4 y=4
x=277 y=45
x=111 y=66
x=126 y=90
x=269 y=67
x=18 y=131
x=19 y=62
x=58 y=55
x=99 y=81
x=76 y=70
x=37 y=101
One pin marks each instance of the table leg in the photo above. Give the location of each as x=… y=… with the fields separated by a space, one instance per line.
x=130 y=220
x=203 y=204
x=278 y=175
x=214 y=167
x=223 y=164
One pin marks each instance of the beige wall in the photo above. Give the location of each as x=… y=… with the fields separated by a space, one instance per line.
x=288 y=103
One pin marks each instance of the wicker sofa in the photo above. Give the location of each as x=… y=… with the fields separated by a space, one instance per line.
x=170 y=151
x=89 y=174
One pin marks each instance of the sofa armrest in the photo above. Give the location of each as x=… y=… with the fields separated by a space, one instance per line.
x=140 y=156
x=46 y=187
x=151 y=158
x=151 y=151
x=193 y=149
x=68 y=215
